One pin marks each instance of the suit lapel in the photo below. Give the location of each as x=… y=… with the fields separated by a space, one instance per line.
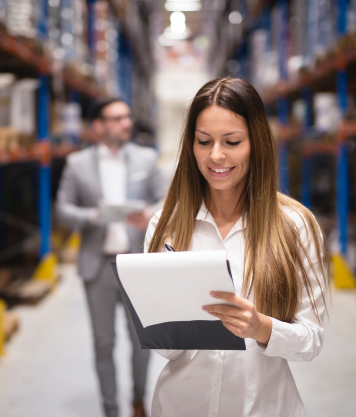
x=95 y=180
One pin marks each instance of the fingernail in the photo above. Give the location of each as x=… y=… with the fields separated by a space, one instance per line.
x=205 y=308
x=213 y=294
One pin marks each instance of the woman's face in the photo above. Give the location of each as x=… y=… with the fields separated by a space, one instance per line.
x=222 y=148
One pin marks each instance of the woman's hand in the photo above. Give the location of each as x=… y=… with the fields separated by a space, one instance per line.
x=242 y=318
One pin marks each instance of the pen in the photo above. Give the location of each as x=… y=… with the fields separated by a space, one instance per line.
x=169 y=247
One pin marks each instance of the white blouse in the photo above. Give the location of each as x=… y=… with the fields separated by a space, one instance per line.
x=256 y=382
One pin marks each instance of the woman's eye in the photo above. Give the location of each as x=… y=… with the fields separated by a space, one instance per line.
x=233 y=143
x=201 y=142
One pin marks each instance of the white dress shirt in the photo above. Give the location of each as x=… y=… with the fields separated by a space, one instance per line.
x=256 y=382
x=112 y=172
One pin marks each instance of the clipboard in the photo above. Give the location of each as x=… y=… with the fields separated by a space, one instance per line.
x=182 y=335
x=111 y=213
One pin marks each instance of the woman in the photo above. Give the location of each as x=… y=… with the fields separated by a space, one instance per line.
x=224 y=195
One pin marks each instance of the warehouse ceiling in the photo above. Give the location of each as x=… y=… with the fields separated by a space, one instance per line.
x=193 y=18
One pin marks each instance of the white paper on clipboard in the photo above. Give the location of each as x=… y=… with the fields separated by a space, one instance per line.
x=173 y=286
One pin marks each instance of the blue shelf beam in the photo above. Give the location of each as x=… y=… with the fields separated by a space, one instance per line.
x=306 y=158
x=342 y=162
x=306 y=181
x=282 y=103
x=45 y=167
x=91 y=28
x=125 y=67
x=282 y=113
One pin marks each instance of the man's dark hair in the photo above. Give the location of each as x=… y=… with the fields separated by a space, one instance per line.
x=97 y=109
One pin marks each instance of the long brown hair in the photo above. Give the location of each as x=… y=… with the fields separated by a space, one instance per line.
x=274 y=252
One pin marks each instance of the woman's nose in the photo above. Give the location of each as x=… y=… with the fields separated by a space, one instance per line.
x=217 y=153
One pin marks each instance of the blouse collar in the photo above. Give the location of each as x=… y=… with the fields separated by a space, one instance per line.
x=205 y=216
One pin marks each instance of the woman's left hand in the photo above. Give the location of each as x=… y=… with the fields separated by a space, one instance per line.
x=241 y=318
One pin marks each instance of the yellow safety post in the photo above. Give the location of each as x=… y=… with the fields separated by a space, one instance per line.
x=2 y=333
x=57 y=240
x=70 y=249
x=47 y=269
x=342 y=274
x=73 y=242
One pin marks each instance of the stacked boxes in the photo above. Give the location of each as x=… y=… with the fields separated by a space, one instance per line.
x=106 y=49
x=22 y=17
x=17 y=112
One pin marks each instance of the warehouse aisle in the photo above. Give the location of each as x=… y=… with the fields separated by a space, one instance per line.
x=74 y=52
x=49 y=372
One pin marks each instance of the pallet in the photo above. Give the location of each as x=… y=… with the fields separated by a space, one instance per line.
x=11 y=324
x=20 y=291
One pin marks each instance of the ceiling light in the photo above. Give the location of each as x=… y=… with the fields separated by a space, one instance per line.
x=235 y=18
x=178 y=22
x=182 y=6
x=178 y=28
x=177 y=17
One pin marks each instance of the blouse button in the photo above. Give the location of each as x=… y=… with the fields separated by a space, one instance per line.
x=214 y=414
x=216 y=382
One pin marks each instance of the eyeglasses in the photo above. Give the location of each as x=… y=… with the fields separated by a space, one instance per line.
x=116 y=119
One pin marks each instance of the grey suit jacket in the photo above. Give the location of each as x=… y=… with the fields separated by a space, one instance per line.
x=80 y=191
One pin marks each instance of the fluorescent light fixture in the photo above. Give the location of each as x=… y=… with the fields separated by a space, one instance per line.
x=178 y=22
x=177 y=17
x=182 y=6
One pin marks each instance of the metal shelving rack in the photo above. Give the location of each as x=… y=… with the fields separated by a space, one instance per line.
x=132 y=51
x=237 y=46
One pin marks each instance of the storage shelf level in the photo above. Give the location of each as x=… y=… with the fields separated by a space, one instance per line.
x=34 y=56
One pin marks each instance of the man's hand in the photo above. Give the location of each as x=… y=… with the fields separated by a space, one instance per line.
x=241 y=318
x=139 y=220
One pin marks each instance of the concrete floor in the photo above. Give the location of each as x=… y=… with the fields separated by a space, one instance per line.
x=48 y=370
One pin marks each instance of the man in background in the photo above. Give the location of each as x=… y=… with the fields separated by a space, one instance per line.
x=114 y=170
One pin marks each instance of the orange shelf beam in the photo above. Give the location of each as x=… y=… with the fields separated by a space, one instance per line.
x=37 y=59
x=24 y=52
x=38 y=152
x=284 y=88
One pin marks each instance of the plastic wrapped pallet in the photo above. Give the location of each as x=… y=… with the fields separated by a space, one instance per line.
x=298 y=37
x=2 y=11
x=258 y=43
x=22 y=17
x=106 y=49
x=327 y=112
x=23 y=109
x=351 y=17
x=6 y=82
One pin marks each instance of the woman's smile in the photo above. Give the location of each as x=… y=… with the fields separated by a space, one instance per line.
x=220 y=172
